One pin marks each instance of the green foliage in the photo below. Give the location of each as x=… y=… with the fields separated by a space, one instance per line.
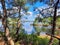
x=58 y=21
x=44 y=23
x=37 y=28
x=1 y=33
x=44 y=41
x=35 y=40
x=32 y=1
x=44 y=29
x=12 y=24
x=25 y=8
x=47 y=20
x=20 y=2
x=55 y=42
x=37 y=20
x=0 y=17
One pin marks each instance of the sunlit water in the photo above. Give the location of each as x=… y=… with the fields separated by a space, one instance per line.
x=30 y=28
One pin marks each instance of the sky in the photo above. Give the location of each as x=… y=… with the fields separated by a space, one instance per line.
x=28 y=28
x=30 y=17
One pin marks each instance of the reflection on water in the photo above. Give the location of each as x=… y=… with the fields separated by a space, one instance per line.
x=30 y=28
x=26 y=25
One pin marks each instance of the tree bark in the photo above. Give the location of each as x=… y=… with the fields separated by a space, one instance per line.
x=18 y=26
x=4 y=22
x=54 y=22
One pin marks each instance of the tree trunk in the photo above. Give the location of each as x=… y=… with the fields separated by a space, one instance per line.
x=18 y=26
x=4 y=22
x=54 y=23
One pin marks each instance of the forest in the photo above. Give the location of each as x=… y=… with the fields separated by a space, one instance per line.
x=29 y=22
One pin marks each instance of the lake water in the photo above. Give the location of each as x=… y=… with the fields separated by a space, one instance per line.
x=30 y=28
x=26 y=25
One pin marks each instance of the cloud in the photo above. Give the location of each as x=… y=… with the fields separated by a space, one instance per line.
x=0 y=7
x=58 y=12
x=29 y=13
x=0 y=23
x=15 y=7
x=22 y=13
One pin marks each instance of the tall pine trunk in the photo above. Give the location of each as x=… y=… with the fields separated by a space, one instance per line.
x=18 y=26
x=4 y=22
x=54 y=22
x=18 y=22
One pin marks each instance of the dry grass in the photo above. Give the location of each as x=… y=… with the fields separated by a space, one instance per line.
x=43 y=36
